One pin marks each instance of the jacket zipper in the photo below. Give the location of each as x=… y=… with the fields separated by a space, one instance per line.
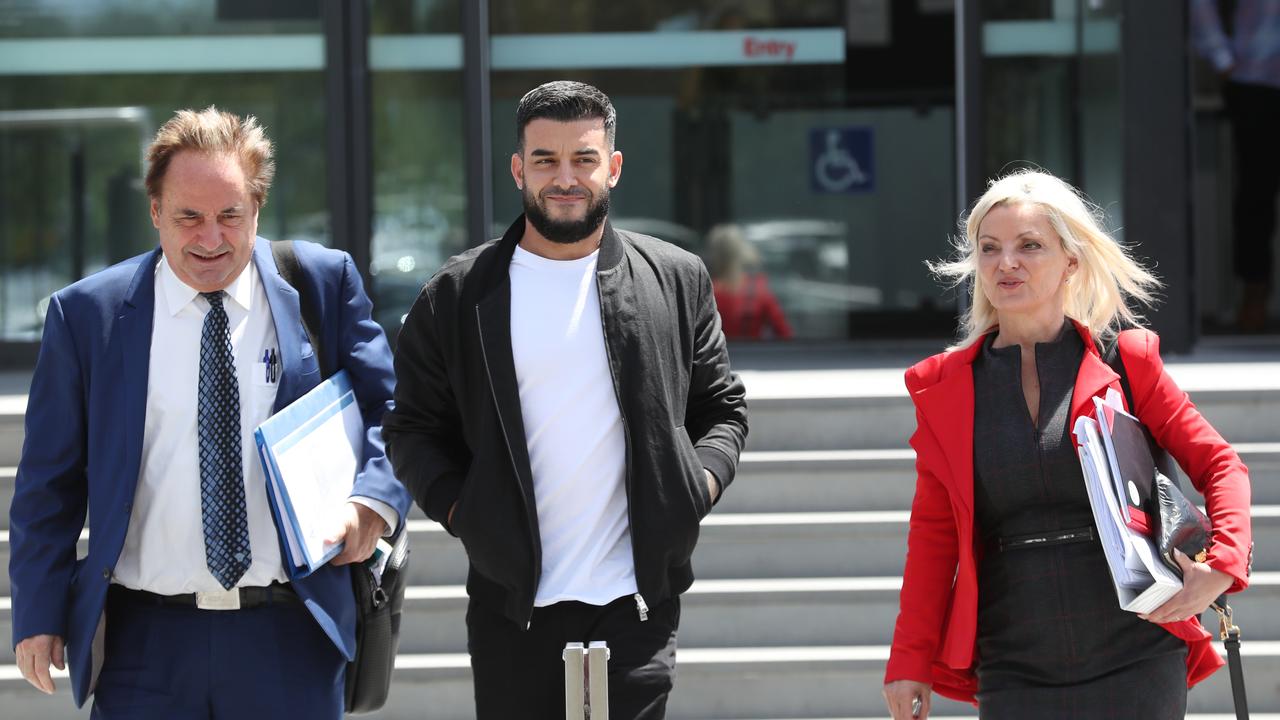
x=641 y=609
x=537 y=552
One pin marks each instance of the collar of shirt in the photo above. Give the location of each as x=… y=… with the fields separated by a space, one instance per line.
x=179 y=294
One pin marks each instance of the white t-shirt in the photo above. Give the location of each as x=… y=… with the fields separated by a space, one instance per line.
x=573 y=430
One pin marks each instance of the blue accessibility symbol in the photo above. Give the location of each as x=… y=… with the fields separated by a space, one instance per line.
x=842 y=160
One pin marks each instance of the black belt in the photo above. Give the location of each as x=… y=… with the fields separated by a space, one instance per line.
x=237 y=599
x=1045 y=539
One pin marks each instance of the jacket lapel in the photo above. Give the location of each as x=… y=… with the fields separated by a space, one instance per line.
x=133 y=333
x=1093 y=379
x=286 y=315
x=948 y=409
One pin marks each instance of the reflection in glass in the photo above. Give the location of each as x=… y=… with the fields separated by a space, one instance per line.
x=1051 y=93
x=419 y=204
x=71 y=197
x=754 y=136
x=53 y=229
x=55 y=169
x=579 y=16
x=147 y=18
x=748 y=308
x=1027 y=111
x=409 y=17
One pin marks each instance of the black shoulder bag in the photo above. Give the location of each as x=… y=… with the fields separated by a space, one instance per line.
x=1181 y=525
x=378 y=603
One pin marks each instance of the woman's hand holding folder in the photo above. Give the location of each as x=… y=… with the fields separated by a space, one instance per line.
x=1201 y=585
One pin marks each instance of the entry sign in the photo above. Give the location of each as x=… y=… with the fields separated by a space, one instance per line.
x=842 y=160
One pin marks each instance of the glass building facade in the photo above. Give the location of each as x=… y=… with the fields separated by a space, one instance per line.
x=813 y=152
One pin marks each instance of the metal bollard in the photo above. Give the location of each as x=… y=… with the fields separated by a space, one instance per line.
x=586 y=681
x=575 y=663
x=598 y=680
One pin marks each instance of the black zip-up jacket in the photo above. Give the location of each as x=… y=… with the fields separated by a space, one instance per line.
x=456 y=432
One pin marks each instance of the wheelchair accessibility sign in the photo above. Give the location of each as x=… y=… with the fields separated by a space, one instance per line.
x=842 y=160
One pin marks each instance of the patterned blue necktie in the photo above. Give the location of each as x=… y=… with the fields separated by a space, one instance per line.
x=222 y=509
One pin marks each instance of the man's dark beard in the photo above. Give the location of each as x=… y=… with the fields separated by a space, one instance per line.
x=565 y=232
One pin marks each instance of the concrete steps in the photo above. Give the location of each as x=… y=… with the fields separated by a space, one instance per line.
x=826 y=682
x=842 y=409
x=744 y=613
x=825 y=480
x=12 y=408
x=782 y=545
x=758 y=545
x=776 y=681
x=799 y=566
x=869 y=409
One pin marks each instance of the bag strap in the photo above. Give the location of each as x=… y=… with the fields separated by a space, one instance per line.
x=1228 y=632
x=291 y=270
x=1230 y=635
x=1111 y=356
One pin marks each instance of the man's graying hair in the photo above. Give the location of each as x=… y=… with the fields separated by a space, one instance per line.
x=565 y=101
x=213 y=131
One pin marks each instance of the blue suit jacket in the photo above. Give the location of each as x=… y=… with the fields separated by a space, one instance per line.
x=84 y=427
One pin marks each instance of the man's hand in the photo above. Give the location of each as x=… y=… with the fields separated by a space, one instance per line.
x=34 y=655
x=713 y=485
x=1201 y=585
x=361 y=528
x=904 y=697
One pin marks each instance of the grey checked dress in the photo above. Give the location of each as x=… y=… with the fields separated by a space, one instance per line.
x=1052 y=640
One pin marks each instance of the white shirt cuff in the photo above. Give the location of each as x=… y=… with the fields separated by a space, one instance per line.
x=387 y=512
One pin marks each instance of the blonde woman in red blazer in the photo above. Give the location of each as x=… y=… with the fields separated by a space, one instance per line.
x=1049 y=285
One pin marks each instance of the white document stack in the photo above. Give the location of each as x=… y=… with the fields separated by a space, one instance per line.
x=310 y=452
x=1142 y=582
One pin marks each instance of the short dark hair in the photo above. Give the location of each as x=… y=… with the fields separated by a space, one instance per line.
x=565 y=101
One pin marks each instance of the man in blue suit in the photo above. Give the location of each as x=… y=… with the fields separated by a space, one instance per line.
x=152 y=376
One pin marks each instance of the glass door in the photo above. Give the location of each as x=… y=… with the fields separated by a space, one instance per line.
x=804 y=150
x=1051 y=93
x=1096 y=92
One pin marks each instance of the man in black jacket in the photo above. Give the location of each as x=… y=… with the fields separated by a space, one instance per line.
x=565 y=407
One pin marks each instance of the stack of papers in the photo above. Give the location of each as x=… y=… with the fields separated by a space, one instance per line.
x=1142 y=582
x=311 y=451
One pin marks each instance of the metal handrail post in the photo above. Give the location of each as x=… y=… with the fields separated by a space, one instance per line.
x=574 y=681
x=598 y=680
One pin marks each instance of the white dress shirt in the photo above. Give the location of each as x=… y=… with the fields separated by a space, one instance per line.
x=164 y=549
x=573 y=429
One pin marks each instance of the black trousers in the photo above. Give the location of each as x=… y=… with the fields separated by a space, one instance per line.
x=1254 y=111
x=519 y=673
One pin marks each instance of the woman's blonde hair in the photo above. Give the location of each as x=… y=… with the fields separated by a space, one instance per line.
x=731 y=253
x=1106 y=278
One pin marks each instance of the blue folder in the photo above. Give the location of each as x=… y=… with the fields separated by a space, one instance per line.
x=310 y=452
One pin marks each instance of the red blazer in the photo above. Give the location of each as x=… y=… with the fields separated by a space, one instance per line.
x=933 y=641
